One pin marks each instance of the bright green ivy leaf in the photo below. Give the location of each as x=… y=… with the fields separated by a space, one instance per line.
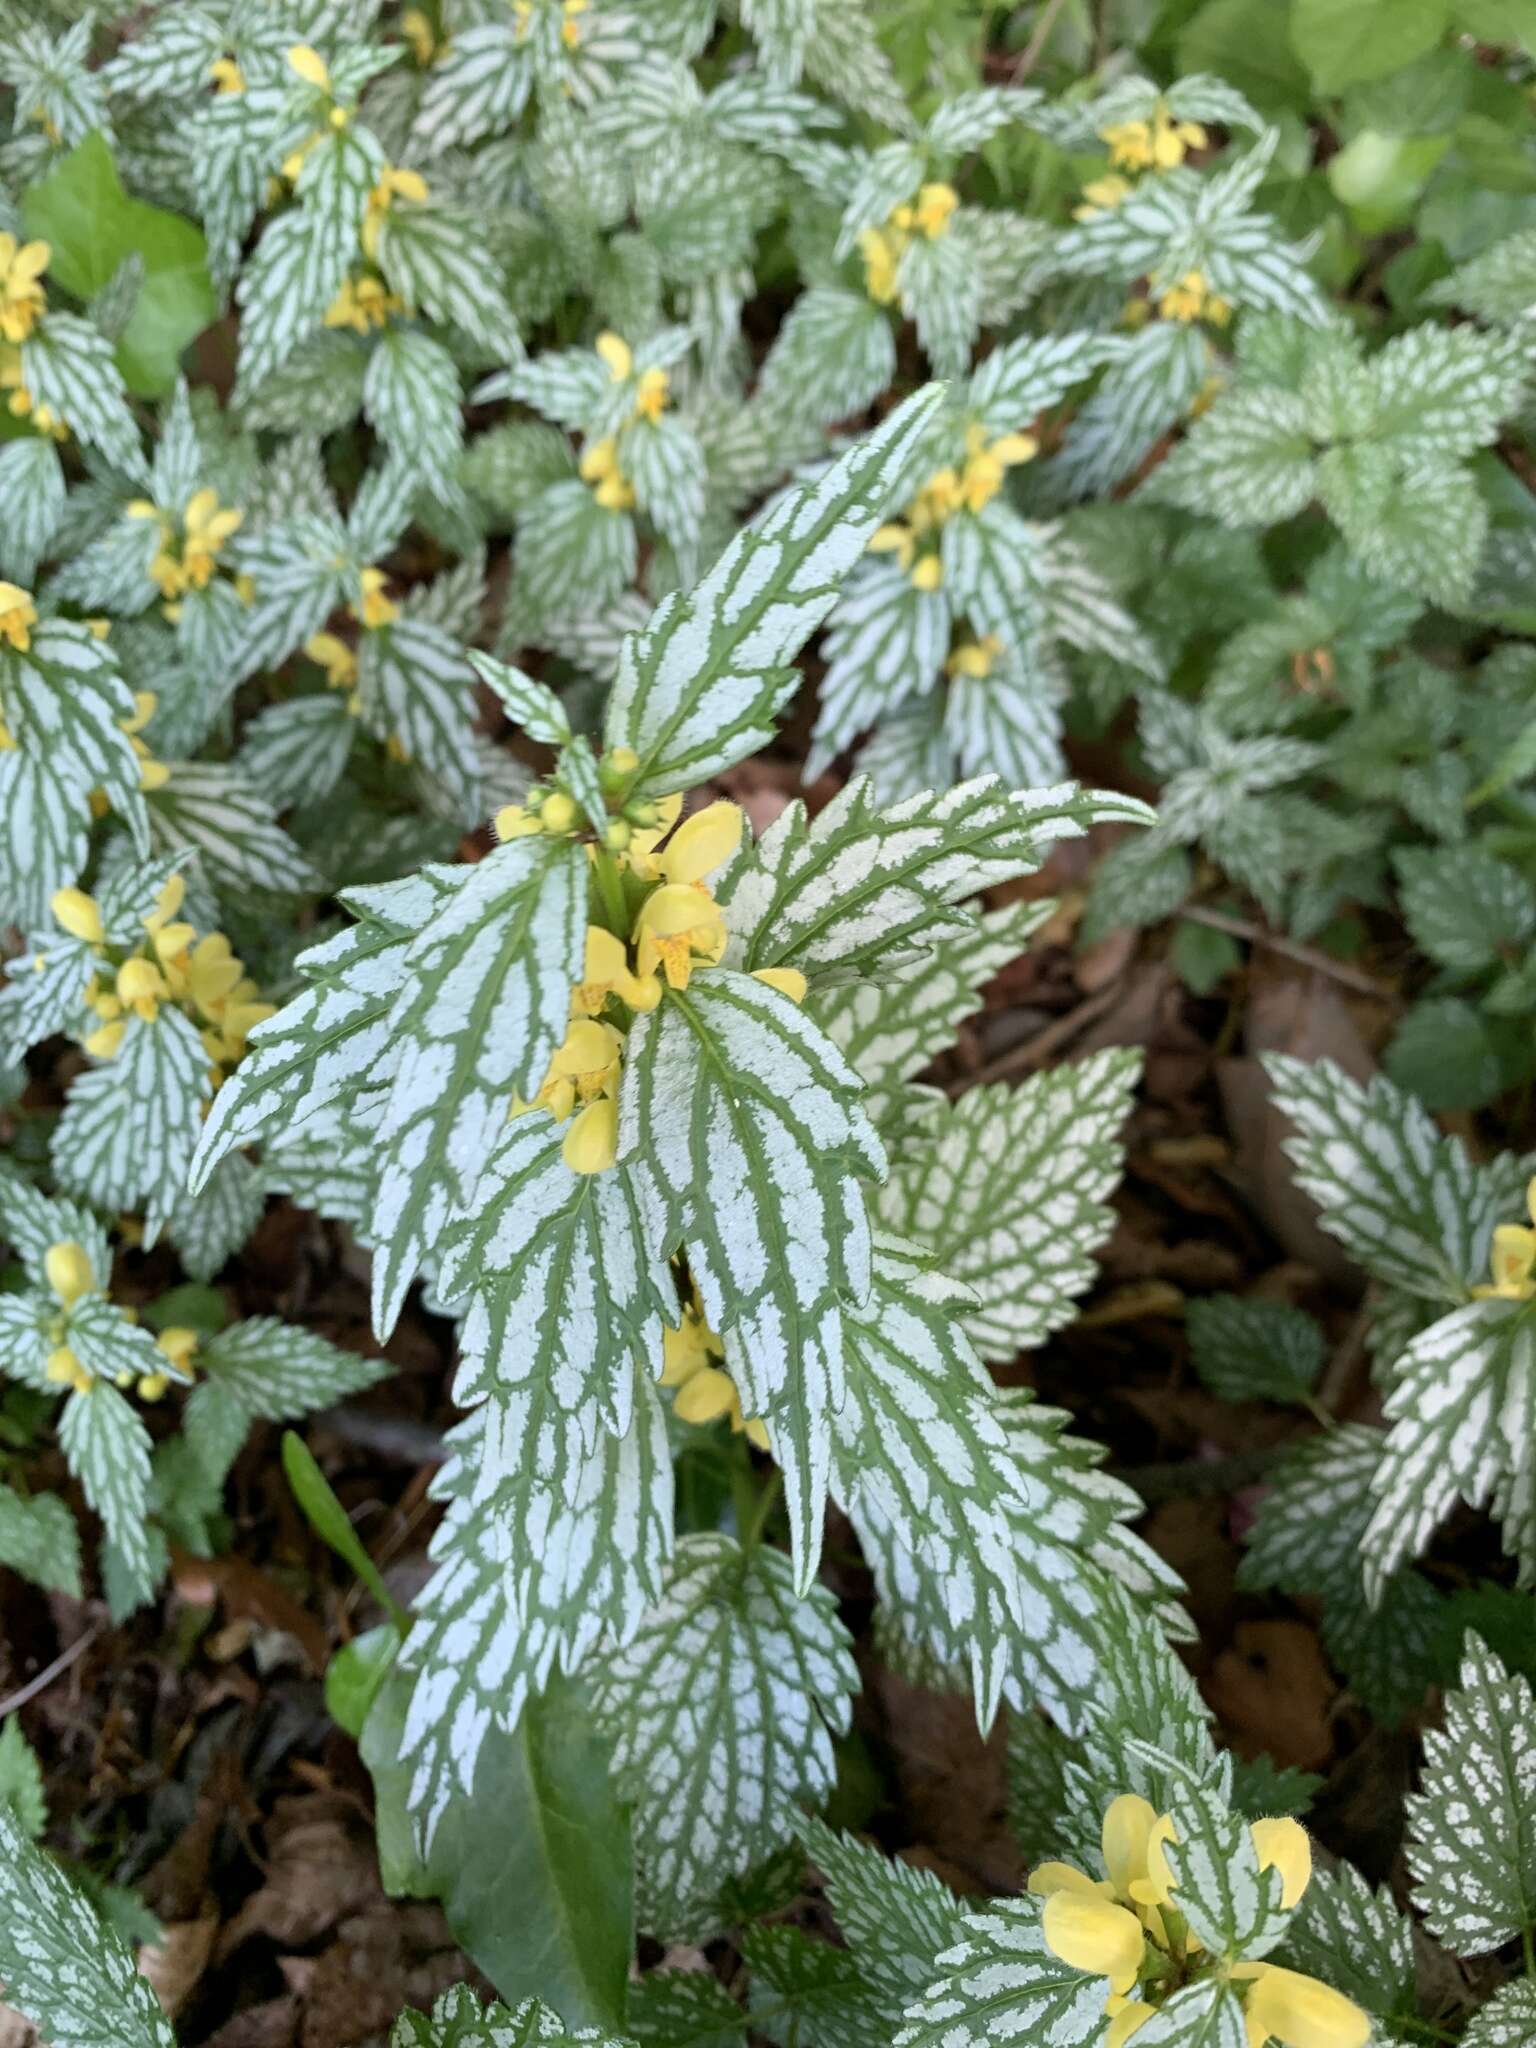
x=90 y=223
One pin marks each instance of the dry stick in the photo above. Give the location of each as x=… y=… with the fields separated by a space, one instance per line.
x=1034 y=49
x=45 y=1678
x=1293 y=949
x=1055 y=1035
x=1338 y=1377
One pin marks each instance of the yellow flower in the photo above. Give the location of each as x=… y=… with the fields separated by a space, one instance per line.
x=705 y=1391
x=935 y=204
x=642 y=856
x=679 y=924
x=207 y=526
x=103 y=1044
x=1095 y=1935
x=18 y=615
x=789 y=981
x=1512 y=1257
x=988 y=462
x=227 y=75
x=178 y=1344
x=334 y=656
x=310 y=66
x=376 y=609
x=927 y=574
x=881 y=250
x=64 y=1369
x=585 y=1067
x=417 y=29
x=1286 y=2007
x=141 y=987
x=69 y=1271
x=1284 y=1845
x=975 y=659
x=606 y=971
x=651 y=394
x=701 y=843
x=22 y=298
x=394 y=183
x=79 y=914
x=599 y=466
x=1102 y=195
x=1126 y=2015
x=592 y=1143
x=362 y=304
x=617 y=354
x=1159 y=144
x=1184 y=300
x=570 y=27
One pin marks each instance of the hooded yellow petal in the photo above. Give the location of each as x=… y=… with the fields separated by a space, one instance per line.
x=701 y=843
x=1284 y=1845
x=1096 y=1935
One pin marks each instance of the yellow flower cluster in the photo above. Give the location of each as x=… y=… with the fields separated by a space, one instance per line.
x=703 y=1390
x=18 y=615
x=374 y=608
x=153 y=774
x=201 y=976
x=363 y=304
x=1190 y=298
x=882 y=248
x=653 y=389
x=227 y=76
x=1160 y=144
x=23 y=301
x=20 y=404
x=673 y=925
x=1127 y=1928
x=1512 y=1258
x=70 y=1277
x=186 y=560
x=914 y=538
x=599 y=467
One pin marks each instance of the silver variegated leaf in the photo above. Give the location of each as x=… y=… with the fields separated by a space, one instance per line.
x=560 y=1279
x=1000 y=1984
x=749 y=1118
x=700 y=687
x=1472 y=1824
x=128 y=1129
x=484 y=1003
x=721 y=1711
x=550 y=1542
x=1405 y=1201
x=860 y=885
x=1006 y=1192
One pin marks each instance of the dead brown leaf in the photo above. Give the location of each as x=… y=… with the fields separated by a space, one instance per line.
x=321 y=1867
x=1273 y=1692
x=174 y=1965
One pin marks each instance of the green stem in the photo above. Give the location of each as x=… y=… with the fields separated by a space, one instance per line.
x=752 y=1535
x=1426 y=2028
x=610 y=892
x=1530 y=1953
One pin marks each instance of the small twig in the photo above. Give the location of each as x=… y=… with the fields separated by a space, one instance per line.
x=1034 y=49
x=45 y=1677
x=1059 y=1032
x=1339 y=1372
x=1293 y=949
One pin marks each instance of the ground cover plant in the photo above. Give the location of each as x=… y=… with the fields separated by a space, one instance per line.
x=767 y=823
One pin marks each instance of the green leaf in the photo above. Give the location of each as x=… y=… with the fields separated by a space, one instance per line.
x=90 y=223
x=329 y=1520
x=1472 y=1824
x=721 y=1712
x=1345 y=42
x=807 y=1990
x=61 y=1966
x=684 y=2009
x=1508 y=2020
x=534 y=1868
x=39 y=1540
x=700 y=687
x=21 y=1780
x=1254 y=1350
x=355 y=1674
